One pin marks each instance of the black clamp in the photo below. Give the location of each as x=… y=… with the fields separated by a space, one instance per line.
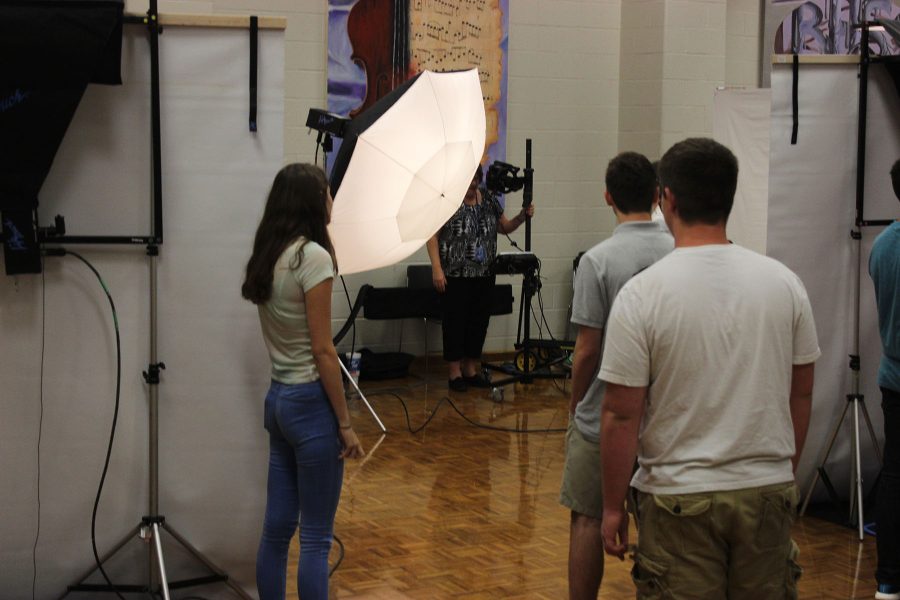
x=151 y=375
x=152 y=250
x=153 y=520
x=856 y=234
x=854 y=362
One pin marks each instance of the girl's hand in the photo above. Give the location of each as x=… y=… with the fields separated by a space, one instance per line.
x=352 y=447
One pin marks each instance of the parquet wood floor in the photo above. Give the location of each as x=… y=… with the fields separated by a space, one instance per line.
x=461 y=512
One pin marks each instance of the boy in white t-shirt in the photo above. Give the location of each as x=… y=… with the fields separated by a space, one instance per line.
x=709 y=368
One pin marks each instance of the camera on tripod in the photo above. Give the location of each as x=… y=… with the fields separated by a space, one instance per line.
x=503 y=178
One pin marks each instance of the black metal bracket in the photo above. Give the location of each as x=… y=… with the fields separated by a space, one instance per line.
x=151 y=375
x=153 y=520
x=854 y=362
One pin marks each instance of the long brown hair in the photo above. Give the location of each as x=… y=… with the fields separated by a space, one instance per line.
x=296 y=206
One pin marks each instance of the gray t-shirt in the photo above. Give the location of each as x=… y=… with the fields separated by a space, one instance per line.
x=602 y=271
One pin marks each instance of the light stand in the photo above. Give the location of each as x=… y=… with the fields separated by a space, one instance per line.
x=855 y=398
x=504 y=178
x=152 y=524
x=328 y=125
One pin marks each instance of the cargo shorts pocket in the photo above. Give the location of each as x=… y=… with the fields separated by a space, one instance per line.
x=681 y=521
x=649 y=578
x=778 y=509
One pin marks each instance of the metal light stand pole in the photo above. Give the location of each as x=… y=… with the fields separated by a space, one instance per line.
x=530 y=281
x=855 y=398
x=152 y=524
x=362 y=397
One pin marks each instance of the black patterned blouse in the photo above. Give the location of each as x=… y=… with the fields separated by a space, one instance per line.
x=468 y=241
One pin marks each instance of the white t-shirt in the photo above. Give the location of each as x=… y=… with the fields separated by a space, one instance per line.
x=713 y=331
x=283 y=317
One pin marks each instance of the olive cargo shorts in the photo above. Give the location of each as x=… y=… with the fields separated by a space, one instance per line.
x=735 y=544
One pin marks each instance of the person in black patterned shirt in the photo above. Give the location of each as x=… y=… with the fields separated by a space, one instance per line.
x=461 y=253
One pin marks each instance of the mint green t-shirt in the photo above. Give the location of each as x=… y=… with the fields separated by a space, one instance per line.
x=283 y=317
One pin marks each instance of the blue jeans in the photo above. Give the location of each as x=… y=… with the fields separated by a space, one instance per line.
x=305 y=476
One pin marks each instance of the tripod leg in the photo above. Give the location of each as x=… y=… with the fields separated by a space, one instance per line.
x=878 y=453
x=363 y=397
x=208 y=563
x=834 y=435
x=157 y=542
x=858 y=465
x=103 y=558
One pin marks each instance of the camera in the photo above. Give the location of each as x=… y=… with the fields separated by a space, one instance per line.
x=503 y=178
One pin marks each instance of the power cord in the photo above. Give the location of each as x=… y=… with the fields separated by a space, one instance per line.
x=447 y=399
x=350 y=306
x=112 y=433
x=340 y=558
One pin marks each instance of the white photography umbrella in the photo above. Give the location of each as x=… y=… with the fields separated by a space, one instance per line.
x=404 y=167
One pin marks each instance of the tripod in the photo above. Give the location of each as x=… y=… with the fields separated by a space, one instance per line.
x=504 y=177
x=153 y=524
x=855 y=398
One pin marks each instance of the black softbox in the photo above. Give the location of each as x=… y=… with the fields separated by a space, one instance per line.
x=49 y=51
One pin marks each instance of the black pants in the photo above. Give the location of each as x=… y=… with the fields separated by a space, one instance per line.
x=467 y=311
x=888 y=516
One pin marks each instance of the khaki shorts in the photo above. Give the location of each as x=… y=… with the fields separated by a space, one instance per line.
x=734 y=544
x=581 y=490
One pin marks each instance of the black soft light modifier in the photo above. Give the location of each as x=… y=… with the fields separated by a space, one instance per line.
x=49 y=51
x=326 y=122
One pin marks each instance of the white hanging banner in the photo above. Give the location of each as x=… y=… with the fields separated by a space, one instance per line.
x=741 y=122
x=212 y=445
x=812 y=209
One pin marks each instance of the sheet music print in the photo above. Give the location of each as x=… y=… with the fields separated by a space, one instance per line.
x=452 y=35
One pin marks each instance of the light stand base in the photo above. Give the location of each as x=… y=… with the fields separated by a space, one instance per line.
x=857 y=401
x=151 y=528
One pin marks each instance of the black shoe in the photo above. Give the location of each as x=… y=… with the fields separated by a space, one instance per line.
x=457 y=385
x=478 y=380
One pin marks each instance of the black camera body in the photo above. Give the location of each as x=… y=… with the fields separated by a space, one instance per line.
x=503 y=178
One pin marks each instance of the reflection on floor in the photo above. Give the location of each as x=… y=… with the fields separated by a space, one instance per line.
x=458 y=511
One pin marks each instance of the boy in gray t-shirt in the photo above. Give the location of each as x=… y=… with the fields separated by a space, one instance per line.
x=636 y=243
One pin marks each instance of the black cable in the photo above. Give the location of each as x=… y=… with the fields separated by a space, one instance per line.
x=37 y=534
x=112 y=433
x=350 y=306
x=447 y=399
x=340 y=558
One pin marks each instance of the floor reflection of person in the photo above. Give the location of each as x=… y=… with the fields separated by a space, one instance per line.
x=708 y=363
x=461 y=254
x=884 y=267
x=289 y=278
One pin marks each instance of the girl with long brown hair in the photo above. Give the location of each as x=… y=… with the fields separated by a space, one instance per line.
x=289 y=277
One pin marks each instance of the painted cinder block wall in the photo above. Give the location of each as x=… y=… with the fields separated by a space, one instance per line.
x=587 y=78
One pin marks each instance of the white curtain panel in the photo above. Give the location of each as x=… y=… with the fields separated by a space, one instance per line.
x=741 y=122
x=811 y=212
x=212 y=446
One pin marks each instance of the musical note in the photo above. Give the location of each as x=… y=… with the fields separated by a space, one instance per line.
x=451 y=35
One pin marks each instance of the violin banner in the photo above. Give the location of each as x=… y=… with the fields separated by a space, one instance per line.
x=833 y=27
x=375 y=46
